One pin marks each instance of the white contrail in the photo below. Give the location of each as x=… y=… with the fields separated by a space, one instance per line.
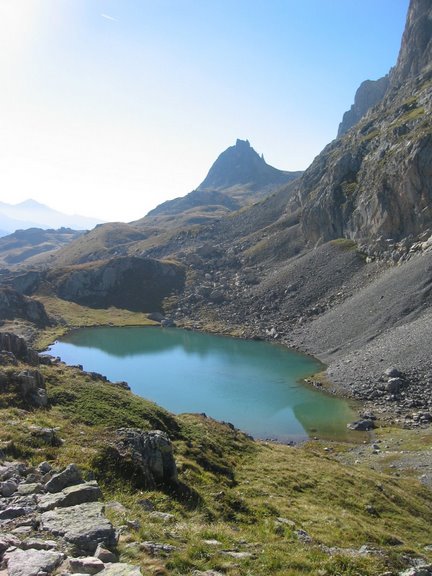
x=108 y=17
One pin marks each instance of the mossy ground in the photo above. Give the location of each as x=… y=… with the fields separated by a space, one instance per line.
x=235 y=495
x=70 y=315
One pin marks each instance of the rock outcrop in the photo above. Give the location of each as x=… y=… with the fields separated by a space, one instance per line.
x=416 y=48
x=15 y=305
x=373 y=185
x=138 y=284
x=45 y=533
x=368 y=95
x=13 y=348
x=146 y=457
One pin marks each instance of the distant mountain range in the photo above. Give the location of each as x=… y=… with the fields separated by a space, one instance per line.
x=32 y=214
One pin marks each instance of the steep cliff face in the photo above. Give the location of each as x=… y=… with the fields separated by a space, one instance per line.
x=374 y=184
x=368 y=95
x=131 y=283
x=14 y=305
x=416 y=48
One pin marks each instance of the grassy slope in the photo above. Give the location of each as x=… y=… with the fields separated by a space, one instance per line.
x=249 y=497
x=70 y=315
x=234 y=489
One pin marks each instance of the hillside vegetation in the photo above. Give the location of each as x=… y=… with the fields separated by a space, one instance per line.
x=240 y=506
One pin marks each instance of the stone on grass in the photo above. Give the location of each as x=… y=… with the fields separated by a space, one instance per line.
x=86 y=565
x=361 y=425
x=68 y=477
x=32 y=562
x=105 y=555
x=70 y=496
x=149 y=455
x=83 y=526
x=164 y=516
x=425 y=570
x=8 y=488
x=27 y=489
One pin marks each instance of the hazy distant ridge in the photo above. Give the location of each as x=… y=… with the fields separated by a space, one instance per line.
x=32 y=214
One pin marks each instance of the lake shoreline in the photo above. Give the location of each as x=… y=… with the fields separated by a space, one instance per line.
x=388 y=413
x=272 y=384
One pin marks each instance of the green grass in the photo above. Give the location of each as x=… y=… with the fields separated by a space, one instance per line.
x=345 y=244
x=250 y=497
x=69 y=315
x=370 y=135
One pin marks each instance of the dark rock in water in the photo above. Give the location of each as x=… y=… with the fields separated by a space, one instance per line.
x=361 y=425
x=168 y=323
x=148 y=456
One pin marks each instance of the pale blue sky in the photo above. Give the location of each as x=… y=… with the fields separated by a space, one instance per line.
x=113 y=106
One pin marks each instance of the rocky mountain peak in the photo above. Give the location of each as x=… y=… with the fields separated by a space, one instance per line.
x=239 y=165
x=416 y=47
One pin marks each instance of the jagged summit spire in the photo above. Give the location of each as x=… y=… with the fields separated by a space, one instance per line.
x=239 y=165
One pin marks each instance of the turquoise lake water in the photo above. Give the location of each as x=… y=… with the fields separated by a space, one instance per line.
x=253 y=385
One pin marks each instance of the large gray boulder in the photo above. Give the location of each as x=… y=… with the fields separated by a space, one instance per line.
x=148 y=456
x=67 y=477
x=70 y=496
x=84 y=526
x=32 y=562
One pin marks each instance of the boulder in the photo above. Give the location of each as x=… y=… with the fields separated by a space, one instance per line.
x=70 y=496
x=361 y=425
x=105 y=555
x=147 y=455
x=84 y=526
x=217 y=296
x=68 y=477
x=17 y=346
x=86 y=565
x=8 y=488
x=392 y=372
x=394 y=385
x=32 y=562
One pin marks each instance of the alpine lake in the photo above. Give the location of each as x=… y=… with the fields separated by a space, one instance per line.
x=257 y=386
